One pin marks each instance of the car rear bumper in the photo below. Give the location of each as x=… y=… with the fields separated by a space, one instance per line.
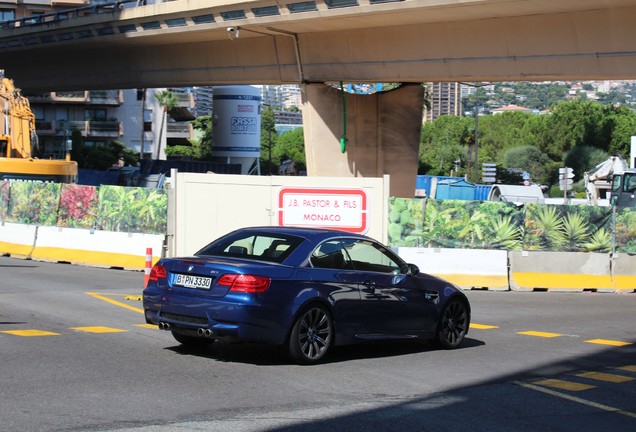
x=224 y=318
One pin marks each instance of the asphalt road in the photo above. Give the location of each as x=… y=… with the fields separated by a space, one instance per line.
x=75 y=355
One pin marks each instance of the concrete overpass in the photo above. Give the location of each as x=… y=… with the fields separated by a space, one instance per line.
x=189 y=42
x=186 y=42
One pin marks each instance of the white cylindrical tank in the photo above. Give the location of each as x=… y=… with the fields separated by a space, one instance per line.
x=236 y=131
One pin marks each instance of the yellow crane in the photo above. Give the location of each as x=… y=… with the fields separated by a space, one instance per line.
x=18 y=141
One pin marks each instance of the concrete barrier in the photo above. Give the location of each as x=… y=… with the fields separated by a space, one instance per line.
x=96 y=248
x=17 y=239
x=624 y=272
x=560 y=271
x=466 y=268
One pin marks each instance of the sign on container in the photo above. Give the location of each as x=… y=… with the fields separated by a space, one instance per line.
x=335 y=208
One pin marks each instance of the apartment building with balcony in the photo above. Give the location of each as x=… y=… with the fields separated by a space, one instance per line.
x=24 y=9
x=93 y=113
x=132 y=117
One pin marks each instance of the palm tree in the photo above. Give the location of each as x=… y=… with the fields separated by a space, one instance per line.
x=168 y=100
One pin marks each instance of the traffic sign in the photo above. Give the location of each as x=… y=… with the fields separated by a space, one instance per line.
x=566 y=176
x=489 y=172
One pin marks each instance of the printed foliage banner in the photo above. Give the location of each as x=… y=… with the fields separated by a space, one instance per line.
x=78 y=206
x=406 y=222
x=505 y=226
x=33 y=203
x=4 y=199
x=455 y=224
x=111 y=208
x=129 y=209
x=473 y=224
x=565 y=228
x=626 y=231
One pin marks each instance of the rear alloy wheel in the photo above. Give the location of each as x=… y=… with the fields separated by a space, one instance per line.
x=453 y=326
x=192 y=341
x=312 y=335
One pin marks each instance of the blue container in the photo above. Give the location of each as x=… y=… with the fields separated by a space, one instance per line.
x=482 y=192
x=455 y=190
x=423 y=183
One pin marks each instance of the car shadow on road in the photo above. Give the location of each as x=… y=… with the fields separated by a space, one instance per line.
x=271 y=355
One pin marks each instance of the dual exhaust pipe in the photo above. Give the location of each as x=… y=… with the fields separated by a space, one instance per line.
x=205 y=332
x=202 y=332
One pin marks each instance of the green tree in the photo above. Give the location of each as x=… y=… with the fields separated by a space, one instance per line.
x=442 y=142
x=502 y=132
x=268 y=138
x=531 y=160
x=168 y=100
x=583 y=158
x=203 y=137
x=200 y=147
x=102 y=156
x=575 y=123
x=622 y=125
x=291 y=145
x=181 y=151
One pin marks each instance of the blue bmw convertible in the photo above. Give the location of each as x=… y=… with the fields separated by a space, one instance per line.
x=305 y=289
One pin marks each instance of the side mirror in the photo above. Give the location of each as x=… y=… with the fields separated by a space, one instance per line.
x=412 y=270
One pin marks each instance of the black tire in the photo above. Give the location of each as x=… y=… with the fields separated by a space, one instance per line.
x=192 y=341
x=453 y=325
x=312 y=335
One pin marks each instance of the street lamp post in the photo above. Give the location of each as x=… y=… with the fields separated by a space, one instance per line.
x=476 y=114
x=476 y=139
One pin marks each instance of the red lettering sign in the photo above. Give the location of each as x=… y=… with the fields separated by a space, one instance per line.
x=336 y=208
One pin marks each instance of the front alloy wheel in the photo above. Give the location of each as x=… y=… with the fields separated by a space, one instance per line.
x=311 y=336
x=453 y=326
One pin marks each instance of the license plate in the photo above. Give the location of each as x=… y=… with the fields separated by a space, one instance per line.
x=190 y=281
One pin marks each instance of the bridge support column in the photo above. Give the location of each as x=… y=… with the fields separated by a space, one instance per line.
x=383 y=132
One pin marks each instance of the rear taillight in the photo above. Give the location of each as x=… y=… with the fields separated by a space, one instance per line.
x=245 y=283
x=158 y=272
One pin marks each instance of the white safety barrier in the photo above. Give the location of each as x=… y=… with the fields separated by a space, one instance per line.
x=466 y=268
x=17 y=239
x=100 y=248
x=95 y=248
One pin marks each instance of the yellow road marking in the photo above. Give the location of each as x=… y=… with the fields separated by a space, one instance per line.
x=30 y=333
x=576 y=399
x=98 y=329
x=133 y=298
x=539 y=334
x=482 y=326
x=114 y=302
x=564 y=385
x=608 y=342
x=606 y=377
x=629 y=368
x=150 y=326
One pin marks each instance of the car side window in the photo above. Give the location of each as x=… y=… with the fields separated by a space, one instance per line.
x=368 y=256
x=330 y=254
